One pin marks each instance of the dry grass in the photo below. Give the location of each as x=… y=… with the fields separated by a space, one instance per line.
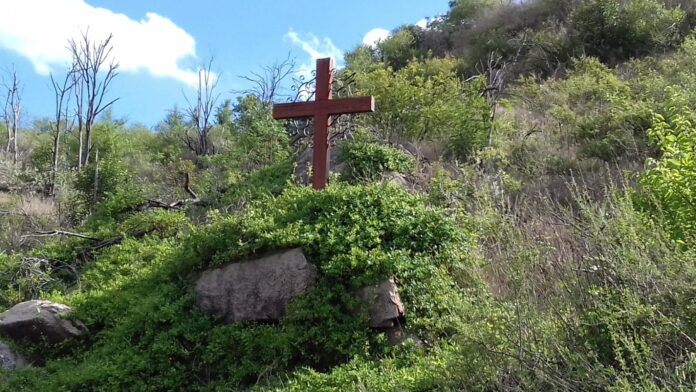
x=5 y=169
x=38 y=207
x=21 y=215
x=7 y=200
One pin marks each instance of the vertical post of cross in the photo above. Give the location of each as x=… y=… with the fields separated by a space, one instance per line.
x=321 y=158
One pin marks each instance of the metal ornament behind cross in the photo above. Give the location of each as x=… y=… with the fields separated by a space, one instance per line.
x=321 y=109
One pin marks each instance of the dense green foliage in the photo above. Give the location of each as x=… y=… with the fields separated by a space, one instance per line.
x=366 y=161
x=671 y=179
x=427 y=101
x=619 y=29
x=139 y=292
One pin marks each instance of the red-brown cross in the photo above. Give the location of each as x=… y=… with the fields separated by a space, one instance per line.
x=322 y=108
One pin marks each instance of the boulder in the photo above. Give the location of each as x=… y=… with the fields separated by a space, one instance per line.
x=10 y=360
x=398 y=179
x=36 y=320
x=383 y=303
x=257 y=290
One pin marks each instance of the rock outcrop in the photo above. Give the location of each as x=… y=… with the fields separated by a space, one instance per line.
x=399 y=180
x=37 y=320
x=383 y=303
x=10 y=360
x=256 y=290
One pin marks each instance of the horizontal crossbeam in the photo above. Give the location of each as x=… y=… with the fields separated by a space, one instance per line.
x=325 y=107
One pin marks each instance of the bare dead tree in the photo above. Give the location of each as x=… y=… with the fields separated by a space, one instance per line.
x=200 y=111
x=95 y=69
x=12 y=111
x=267 y=84
x=79 y=95
x=62 y=103
x=495 y=71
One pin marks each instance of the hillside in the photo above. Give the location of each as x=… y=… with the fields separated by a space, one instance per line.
x=526 y=189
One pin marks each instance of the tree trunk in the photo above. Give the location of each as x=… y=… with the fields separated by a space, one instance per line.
x=96 y=180
x=88 y=144
x=79 y=151
x=15 y=126
x=54 y=165
x=203 y=143
x=9 y=136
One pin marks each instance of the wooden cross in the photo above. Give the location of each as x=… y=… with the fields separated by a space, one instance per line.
x=321 y=109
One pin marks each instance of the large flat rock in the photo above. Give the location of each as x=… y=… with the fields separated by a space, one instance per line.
x=256 y=290
x=37 y=320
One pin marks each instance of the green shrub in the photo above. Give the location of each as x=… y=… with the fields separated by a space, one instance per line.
x=427 y=101
x=619 y=29
x=115 y=189
x=670 y=181
x=265 y=182
x=401 y=47
x=592 y=116
x=366 y=161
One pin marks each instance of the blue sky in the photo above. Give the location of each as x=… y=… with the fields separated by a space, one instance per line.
x=159 y=44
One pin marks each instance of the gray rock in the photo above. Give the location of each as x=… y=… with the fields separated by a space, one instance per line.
x=398 y=179
x=383 y=303
x=396 y=335
x=10 y=360
x=257 y=290
x=36 y=320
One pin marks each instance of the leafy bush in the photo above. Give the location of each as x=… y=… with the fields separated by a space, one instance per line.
x=427 y=101
x=257 y=184
x=401 y=47
x=367 y=161
x=260 y=141
x=619 y=29
x=573 y=125
x=670 y=181
x=116 y=191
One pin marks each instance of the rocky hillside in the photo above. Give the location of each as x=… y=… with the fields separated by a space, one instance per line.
x=518 y=215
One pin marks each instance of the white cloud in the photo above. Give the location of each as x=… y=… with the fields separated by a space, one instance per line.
x=40 y=29
x=316 y=48
x=374 y=36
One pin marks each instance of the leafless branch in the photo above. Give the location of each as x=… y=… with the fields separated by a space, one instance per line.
x=200 y=110
x=62 y=233
x=267 y=84
x=94 y=70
